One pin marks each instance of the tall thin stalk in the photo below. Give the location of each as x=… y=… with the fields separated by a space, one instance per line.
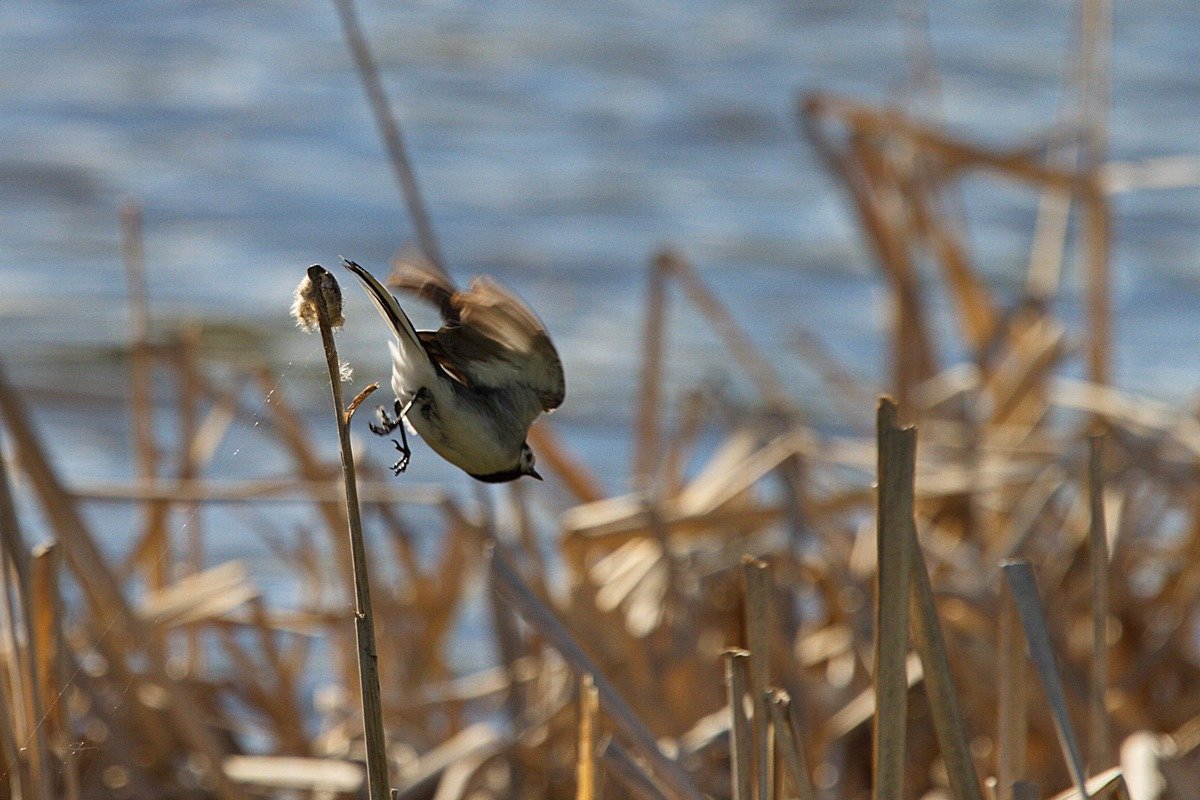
x=364 y=623
x=389 y=129
x=896 y=464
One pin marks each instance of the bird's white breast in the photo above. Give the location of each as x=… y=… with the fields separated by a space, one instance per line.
x=464 y=433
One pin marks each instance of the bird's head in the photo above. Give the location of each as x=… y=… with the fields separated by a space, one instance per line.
x=525 y=465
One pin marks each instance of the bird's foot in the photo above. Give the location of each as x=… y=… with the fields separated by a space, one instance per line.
x=387 y=423
x=405 y=454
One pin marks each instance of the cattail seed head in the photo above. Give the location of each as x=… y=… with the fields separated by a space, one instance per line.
x=304 y=301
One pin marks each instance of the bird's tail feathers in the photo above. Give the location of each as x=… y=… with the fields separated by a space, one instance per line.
x=389 y=309
x=408 y=350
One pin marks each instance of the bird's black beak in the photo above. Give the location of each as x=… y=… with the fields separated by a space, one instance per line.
x=533 y=473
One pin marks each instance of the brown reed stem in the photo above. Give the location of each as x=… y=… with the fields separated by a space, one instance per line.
x=585 y=765
x=649 y=400
x=896 y=454
x=1011 y=725
x=757 y=587
x=389 y=129
x=53 y=669
x=737 y=678
x=23 y=671
x=1098 y=312
x=364 y=623
x=1100 y=750
x=190 y=392
x=790 y=745
x=153 y=550
x=140 y=376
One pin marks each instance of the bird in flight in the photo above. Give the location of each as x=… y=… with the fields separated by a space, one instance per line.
x=472 y=388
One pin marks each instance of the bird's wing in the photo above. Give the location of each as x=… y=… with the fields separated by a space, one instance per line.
x=414 y=273
x=491 y=338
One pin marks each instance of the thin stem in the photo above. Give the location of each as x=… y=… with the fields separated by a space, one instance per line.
x=389 y=129
x=364 y=625
x=896 y=463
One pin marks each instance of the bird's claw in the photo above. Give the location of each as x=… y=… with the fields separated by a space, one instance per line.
x=405 y=454
x=387 y=423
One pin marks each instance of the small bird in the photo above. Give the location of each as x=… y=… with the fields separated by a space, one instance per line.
x=472 y=388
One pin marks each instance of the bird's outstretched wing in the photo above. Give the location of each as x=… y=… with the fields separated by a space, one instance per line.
x=490 y=339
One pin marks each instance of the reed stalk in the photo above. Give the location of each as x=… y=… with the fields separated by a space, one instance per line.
x=585 y=769
x=1100 y=738
x=649 y=399
x=737 y=678
x=790 y=744
x=364 y=621
x=896 y=461
x=154 y=549
x=1011 y=725
x=389 y=129
x=756 y=583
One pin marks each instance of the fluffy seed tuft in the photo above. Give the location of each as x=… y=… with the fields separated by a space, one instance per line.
x=304 y=301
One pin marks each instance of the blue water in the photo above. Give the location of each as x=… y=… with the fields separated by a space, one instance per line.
x=558 y=143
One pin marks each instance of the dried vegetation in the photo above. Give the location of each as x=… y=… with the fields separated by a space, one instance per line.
x=1011 y=615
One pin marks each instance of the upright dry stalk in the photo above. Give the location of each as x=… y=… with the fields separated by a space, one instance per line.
x=790 y=745
x=585 y=764
x=896 y=464
x=190 y=391
x=23 y=670
x=53 y=668
x=757 y=586
x=737 y=678
x=389 y=129
x=1098 y=312
x=1100 y=750
x=139 y=336
x=649 y=400
x=1086 y=119
x=1011 y=727
x=364 y=623
x=16 y=770
x=153 y=550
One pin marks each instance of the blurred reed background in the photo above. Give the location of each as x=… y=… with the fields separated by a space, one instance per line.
x=741 y=223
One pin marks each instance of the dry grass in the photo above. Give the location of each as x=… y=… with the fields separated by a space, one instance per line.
x=771 y=554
